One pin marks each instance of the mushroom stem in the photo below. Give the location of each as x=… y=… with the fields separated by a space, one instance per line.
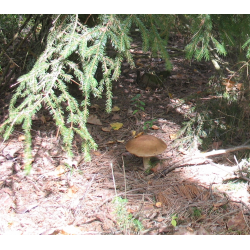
x=146 y=162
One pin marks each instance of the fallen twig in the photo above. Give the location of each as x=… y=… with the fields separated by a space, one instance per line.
x=187 y=161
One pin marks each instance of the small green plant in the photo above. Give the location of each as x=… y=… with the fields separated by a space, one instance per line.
x=70 y=168
x=125 y=220
x=196 y=213
x=139 y=105
x=148 y=124
x=174 y=219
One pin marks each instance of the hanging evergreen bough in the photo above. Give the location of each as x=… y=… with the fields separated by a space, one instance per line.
x=74 y=51
x=46 y=84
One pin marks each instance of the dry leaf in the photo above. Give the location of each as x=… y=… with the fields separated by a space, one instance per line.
x=74 y=189
x=131 y=211
x=141 y=133
x=70 y=193
x=21 y=137
x=94 y=120
x=133 y=132
x=61 y=169
x=173 y=136
x=116 y=125
x=68 y=230
x=120 y=141
x=230 y=85
x=95 y=106
x=237 y=222
x=106 y=129
x=43 y=119
x=179 y=76
x=97 y=153
x=170 y=95
x=111 y=142
x=115 y=108
x=158 y=204
x=155 y=127
x=139 y=64
x=156 y=168
x=116 y=117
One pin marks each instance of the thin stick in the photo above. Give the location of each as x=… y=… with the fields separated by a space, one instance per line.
x=111 y=165
x=185 y=161
x=124 y=175
x=87 y=19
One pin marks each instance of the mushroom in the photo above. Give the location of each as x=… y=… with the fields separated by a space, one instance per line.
x=146 y=146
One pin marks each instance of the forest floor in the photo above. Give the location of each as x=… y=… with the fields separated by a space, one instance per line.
x=112 y=194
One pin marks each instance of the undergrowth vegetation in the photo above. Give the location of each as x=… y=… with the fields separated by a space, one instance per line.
x=125 y=220
x=217 y=116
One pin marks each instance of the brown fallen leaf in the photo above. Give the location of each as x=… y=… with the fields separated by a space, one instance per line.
x=61 y=169
x=67 y=230
x=73 y=189
x=131 y=211
x=237 y=222
x=94 y=120
x=155 y=127
x=139 y=64
x=141 y=133
x=231 y=85
x=95 y=106
x=158 y=204
x=178 y=76
x=106 y=129
x=97 y=153
x=71 y=192
x=116 y=117
x=156 y=168
x=21 y=137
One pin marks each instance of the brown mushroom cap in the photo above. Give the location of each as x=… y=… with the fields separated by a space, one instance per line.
x=146 y=146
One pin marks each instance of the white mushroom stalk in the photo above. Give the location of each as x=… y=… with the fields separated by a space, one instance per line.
x=146 y=163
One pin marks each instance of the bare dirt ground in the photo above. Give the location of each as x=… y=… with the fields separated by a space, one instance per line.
x=62 y=196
